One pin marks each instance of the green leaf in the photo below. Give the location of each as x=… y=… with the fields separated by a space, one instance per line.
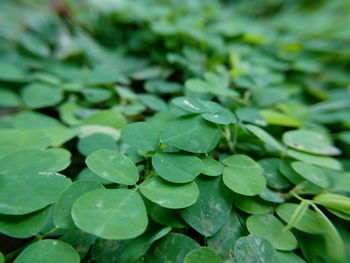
x=177 y=167
x=317 y=160
x=277 y=118
x=96 y=141
x=106 y=213
x=37 y=95
x=271 y=196
x=24 y=226
x=191 y=133
x=272 y=174
x=28 y=192
x=250 y=115
x=224 y=240
x=298 y=214
x=27 y=161
x=153 y=102
x=335 y=248
x=62 y=214
x=13 y=140
x=211 y=210
x=141 y=136
x=288 y=172
x=80 y=240
x=253 y=249
x=273 y=230
x=202 y=255
x=308 y=223
x=133 y=250
x=48 y=251
x=333 y=201
x=223 y=116
x=2 y=258
x=288 y=257
x=252 y=205
x=96 y=95
x=9 y=98
x=265 y=137
x=164 y=216
x=171 y=248
x=211 y=167
x=243 y=175
x=109 y=118
x=113 y=166
x=310 y=142
x=169 y=195
x=312 y=173
x=62 y=159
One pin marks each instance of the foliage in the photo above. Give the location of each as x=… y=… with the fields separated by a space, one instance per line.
x=174 y=131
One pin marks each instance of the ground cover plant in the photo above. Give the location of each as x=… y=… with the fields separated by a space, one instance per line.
x=175 y=131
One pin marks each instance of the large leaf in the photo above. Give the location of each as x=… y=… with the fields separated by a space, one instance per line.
x=106 y=213
x=48 y=251
x=28 y=192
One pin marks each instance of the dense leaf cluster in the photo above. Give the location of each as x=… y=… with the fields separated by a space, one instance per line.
x=176 y=131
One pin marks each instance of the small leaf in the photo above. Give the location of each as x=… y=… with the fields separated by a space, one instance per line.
x=224 y=240
x=191 y=133
x=252 y=205
x=211 y=167
x=24 y=226
x=29 y=192
x=177 y=167
x=37 y=95
x=288 y=257
x=334 y=244
x=311 y=173
x=265 y=137
x=106 y=213
x=308 y=223
x=323 y=161
x=273 y=230
x=212 y=209
x=253 y=249
x=62 y=214
x=171 y=248
x=298 y=214
x=113 y=166
x=96 y=141
x=48 y=251
x=333 y=201
x=169 y=195
x=272 y=174
x=202 y=255
x=310 y=142
x=243 y=175
x=141 y=136
x=190 y=104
